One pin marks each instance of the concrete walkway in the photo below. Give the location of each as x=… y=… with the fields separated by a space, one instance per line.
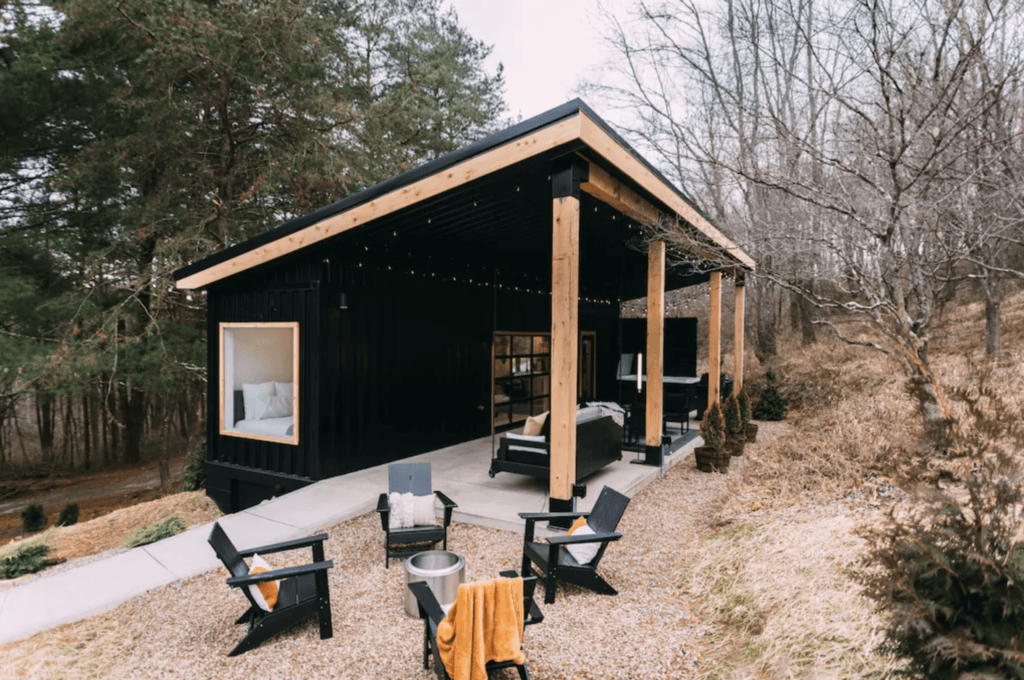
x=459 y=471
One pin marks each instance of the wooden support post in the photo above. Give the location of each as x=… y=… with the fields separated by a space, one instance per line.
x=739 y=334
x=715 y=339
x=655 y=348
x=565 y=255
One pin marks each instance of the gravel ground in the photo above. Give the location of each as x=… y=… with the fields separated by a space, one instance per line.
x=184 y=630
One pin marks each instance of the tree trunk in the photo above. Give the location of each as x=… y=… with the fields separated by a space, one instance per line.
x=993 y=303
x=135 y=421
x=44 y=422
x=764 y=300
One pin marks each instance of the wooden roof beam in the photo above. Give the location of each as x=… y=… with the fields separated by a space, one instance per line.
x=602 y=143
x=601 y=185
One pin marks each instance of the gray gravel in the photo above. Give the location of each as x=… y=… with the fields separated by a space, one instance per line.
x=650 y=630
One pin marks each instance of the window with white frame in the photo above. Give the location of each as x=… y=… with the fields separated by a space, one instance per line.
x=259 y=381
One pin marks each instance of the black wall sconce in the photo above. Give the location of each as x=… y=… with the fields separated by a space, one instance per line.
x=339 y=299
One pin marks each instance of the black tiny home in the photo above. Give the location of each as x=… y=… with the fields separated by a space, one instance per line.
x=417 y=313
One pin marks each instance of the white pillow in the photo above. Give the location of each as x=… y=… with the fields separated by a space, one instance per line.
x=285 y=389
x=526 y=437
x=272 y=407
x=402 y=510
x=583 y=552
x=423 y=510
x=258 y=561
x=253 y=393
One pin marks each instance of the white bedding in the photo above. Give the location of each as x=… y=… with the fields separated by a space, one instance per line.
x=268 y=427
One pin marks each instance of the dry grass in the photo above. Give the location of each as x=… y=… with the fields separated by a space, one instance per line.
x=110 y=531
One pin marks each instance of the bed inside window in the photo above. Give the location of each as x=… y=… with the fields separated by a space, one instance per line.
x=259 y=381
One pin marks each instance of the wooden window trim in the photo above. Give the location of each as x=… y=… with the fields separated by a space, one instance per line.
x=294 y=325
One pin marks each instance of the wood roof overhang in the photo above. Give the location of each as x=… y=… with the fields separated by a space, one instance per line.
x=487 y=207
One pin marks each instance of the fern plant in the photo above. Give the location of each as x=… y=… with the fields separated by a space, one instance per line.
x=28 y=559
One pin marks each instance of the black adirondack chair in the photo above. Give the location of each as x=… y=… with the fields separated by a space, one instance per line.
x=303 y=590
x=556 y=563
x=415 y=478
x=431 y=613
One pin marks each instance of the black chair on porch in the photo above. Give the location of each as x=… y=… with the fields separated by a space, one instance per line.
x=412 y=478
x=303 y=590
x=557 y=563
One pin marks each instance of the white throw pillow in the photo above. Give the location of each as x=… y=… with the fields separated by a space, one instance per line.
x=583 y=552
x=423 y=510
x=252 y=394
x=274 y=407
x=403 y=511
x=259 y=565
x=285 y=389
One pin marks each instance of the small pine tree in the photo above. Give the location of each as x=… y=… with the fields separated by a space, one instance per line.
x=733 y=417
x=771 y=405
x=68 y=515
x=712 y=427
x=744 y=400
x=33 y=518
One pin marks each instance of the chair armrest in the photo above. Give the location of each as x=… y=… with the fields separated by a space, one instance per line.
x=532 y=517
x=541 y=516
x=384 y=509
x=430 y=608
x=284 y=545
x=448 y=504
x=287 y=572
x=586 y=538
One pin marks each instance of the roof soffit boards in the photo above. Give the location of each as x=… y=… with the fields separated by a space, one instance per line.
x=575 y=128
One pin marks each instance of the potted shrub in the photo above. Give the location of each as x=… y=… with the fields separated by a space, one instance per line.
x=749 y=428
x=734 y=438
x=711 y=457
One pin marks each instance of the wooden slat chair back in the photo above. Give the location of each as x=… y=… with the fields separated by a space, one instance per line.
x=414 y=478
x=303 y=590
x=432 y=614
x=556 y=563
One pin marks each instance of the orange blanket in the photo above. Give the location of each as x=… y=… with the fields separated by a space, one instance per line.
x=485 y=624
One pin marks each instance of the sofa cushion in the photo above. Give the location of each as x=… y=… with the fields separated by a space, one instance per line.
x=534 y=424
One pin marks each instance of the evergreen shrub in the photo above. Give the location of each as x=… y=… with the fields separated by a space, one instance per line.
x=949 y=569
x=157 y=531
x=772 y=404
x=732 y=416
x=68 y=515
x=28 y=559
x=712 y=427
x=744 y=401
x=33 y=518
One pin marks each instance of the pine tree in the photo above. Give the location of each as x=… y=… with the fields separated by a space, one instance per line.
x=772 y=404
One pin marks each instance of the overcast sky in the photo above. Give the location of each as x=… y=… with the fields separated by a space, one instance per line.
x=547 y=46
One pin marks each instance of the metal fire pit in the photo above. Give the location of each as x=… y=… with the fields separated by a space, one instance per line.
x=442 y=570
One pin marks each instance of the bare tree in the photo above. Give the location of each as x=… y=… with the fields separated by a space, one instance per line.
x=829 y=138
